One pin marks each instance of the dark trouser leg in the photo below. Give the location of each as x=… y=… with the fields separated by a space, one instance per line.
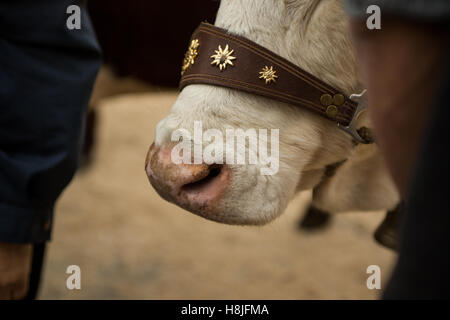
x=46 y=78
x=424 y=249
x=89 y=138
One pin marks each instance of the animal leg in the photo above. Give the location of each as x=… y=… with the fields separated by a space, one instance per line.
x=387 y=232
x=314 y=219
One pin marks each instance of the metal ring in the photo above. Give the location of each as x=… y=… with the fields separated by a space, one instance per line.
x=351 y=128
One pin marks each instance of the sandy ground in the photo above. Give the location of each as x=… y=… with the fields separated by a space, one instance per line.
x=131 y=244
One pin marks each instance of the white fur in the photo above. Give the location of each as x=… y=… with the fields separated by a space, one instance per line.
x=313 y=35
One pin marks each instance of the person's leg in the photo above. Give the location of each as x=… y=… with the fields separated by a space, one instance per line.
x=401 y=65
x=424 y=255
x=46 y=78
x=15 y=265
x=37 y=264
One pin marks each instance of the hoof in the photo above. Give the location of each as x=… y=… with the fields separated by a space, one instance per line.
x=387 y=232
x=314 y=219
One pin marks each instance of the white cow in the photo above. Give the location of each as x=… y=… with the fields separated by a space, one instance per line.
x=313 y=35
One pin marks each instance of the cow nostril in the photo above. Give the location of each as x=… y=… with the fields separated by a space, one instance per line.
x=214 y=170
x=203 y=182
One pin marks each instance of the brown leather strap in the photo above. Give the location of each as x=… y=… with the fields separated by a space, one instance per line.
x=250 y=68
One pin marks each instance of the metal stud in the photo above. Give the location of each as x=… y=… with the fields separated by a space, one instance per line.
x=326 y=99
x=338 y=99
x=332 y=111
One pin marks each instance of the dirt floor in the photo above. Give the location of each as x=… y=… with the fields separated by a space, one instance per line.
x=131 y=244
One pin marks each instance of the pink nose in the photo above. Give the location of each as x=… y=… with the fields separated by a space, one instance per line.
x=194 y=187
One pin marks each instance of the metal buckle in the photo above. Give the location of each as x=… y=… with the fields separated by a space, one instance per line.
x=351 y=128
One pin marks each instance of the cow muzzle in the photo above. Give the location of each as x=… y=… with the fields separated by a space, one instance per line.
x=195 y=187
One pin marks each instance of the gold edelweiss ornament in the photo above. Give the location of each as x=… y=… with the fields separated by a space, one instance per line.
x=189 y=57
x=223 y=57
x=268 y=74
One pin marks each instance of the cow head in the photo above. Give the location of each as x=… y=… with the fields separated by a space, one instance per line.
x=310 y=33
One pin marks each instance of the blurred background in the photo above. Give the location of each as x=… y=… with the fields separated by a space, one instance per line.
x=131 y=244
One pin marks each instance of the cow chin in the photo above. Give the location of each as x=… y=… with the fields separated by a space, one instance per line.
x=251 y=199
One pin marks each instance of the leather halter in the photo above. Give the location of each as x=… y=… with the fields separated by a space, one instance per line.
x=216 y=57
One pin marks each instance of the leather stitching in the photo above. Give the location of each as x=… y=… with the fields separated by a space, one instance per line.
x=261 y=90
x=262 y=52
